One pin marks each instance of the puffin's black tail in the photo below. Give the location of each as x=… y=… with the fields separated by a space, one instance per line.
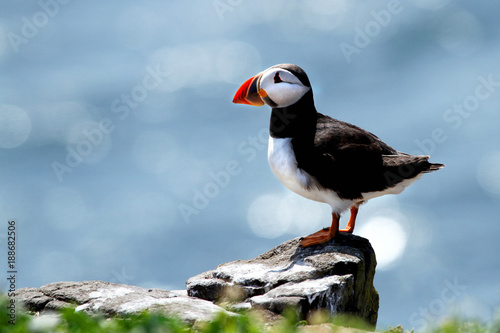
x=434 y=167
x=404 y=166
x=418 y=163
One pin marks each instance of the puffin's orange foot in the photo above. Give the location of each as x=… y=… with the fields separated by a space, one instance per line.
x=319 y=237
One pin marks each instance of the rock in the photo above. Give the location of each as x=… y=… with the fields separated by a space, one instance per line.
x=34 y=297
x=336 y=276
x=116 y=299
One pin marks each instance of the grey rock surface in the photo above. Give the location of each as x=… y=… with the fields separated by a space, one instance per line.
x=116 y=299
x=336 y=276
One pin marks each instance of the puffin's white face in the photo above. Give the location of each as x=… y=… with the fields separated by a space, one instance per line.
x=280 y=88
x=276 y=87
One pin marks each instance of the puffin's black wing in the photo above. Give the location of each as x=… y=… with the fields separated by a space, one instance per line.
x=352 y=161
x=333 y=135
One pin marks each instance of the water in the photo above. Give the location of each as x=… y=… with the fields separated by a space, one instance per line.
x=124 y=160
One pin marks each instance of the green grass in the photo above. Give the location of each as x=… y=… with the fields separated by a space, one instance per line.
x=70 y=321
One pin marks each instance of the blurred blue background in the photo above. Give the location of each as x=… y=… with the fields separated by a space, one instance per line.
x=124 y=160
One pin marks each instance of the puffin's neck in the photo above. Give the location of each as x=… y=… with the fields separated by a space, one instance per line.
x=297 y=121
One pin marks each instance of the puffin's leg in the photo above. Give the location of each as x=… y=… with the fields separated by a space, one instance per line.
x=324 y=235
x=352 y=220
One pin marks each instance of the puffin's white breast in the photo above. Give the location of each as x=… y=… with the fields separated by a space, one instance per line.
x=284 y=166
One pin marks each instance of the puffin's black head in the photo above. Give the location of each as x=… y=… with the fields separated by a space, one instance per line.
x=278 y=86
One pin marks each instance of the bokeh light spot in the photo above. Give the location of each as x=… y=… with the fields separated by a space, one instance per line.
x=324 y=15
x=273 y=215
x=460 y=33
x=235 y=60
x=15 y=126
x=488 y=172
x=326 y=7
x=305 y=216
x=265 y=220
x=387 y=237
x=187 y=66
x=54 y=122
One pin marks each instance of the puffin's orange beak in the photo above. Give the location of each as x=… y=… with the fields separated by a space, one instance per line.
x=248 y=93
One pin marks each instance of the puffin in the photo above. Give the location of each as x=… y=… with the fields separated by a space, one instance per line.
x=322 y=158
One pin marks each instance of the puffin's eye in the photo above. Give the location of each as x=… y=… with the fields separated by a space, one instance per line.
x=277 y=78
